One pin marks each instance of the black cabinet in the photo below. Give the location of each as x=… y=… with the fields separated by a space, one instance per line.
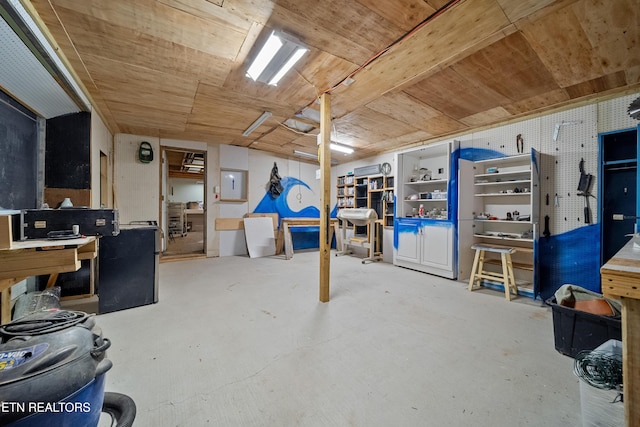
x=68 y=151
x=128 y=268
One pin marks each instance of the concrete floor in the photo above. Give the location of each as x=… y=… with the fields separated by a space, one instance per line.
x=236 y=341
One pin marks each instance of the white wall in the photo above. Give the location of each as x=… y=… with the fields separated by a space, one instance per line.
x=299 y=197
x=185 y=190
x=233 y=242
x=136 y=184
x=259 y=164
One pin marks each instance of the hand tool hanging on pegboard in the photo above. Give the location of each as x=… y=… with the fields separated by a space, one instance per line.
x=520 y=143
x=546 y=233
x=584 y=186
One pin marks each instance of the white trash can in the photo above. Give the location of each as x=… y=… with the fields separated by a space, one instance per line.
x=601 y=407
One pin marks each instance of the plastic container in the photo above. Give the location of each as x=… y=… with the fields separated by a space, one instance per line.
x=602 y=408
x=576 y=330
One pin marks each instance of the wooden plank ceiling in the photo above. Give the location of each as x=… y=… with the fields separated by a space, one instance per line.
x=423 y=69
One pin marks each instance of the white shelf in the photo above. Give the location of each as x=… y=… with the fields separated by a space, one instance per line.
x=433 y=181
x=528 y=194
x=503 y=174
x=506 y=160
x=429 y=243
x=491 y=198
x=515 y=181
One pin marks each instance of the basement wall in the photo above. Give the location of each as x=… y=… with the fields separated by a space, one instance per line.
x=137 y=185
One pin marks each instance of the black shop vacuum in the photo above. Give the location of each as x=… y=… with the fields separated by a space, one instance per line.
x=52 y=373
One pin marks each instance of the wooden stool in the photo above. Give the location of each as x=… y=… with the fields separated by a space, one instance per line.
x=478 y=273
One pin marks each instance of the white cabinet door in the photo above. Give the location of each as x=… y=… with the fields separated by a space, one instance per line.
x=408 y=241
x=437 y=242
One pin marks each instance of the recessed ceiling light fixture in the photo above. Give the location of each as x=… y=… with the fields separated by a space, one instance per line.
x=278 y=55
x=257 y=123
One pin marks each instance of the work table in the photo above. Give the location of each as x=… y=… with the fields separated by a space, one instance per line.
x=36 y=257
x=620 y=278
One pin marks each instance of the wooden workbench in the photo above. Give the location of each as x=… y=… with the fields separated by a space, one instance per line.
x=285 y=230
x=35 y=257
x=620 y=278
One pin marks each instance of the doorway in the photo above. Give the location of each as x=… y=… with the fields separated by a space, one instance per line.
x=184 y=205
x=618 y=189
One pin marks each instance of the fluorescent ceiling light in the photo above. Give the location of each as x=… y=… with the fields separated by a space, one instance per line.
x=257 y=123
x=278 y=55
x=266 y=54
x=287 y=66
x=303 y=154
x=340 y=148
x=336 y=147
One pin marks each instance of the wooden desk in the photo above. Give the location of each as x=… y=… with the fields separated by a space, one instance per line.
x=620 y=278
x=195 y=218
x=287 y=223
x=35 y=257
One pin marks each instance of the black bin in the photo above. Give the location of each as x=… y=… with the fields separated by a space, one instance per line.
x=576 y=330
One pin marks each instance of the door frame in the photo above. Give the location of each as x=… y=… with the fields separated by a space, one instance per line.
x=601 y=172
x=164 y=189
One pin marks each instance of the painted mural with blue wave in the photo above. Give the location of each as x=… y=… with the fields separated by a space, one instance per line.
x=570 y=258
x=302 y=237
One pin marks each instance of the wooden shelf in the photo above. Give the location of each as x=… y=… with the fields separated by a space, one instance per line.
x=503 y=221
x=360 y=194
x=518 y=265
x=517 y=248
x=515 y=239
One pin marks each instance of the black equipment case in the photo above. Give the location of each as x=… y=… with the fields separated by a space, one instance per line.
x=45 y=223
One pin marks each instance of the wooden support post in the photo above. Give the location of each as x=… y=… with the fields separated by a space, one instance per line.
x=325 y=197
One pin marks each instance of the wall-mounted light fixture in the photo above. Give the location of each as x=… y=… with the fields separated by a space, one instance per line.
x=278 y=55
x=257 y=123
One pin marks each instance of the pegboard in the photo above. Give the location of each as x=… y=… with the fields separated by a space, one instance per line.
x=612 y=114
x=504 y=138
x=577 y=139
x=40 y=91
